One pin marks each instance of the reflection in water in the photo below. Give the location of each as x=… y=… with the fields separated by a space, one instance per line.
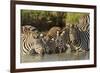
x=55 y=57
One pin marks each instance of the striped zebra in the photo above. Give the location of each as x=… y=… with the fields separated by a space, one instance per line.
x=30 y=42
x=84 y=32
x=80 y=39
x=65 y=34
x=84 y=40
x=62 y=41
x=27 y=28
x=27 y=42
x=49 y=40
x=79 y=34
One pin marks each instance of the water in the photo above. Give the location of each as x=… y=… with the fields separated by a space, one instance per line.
x=55 y=57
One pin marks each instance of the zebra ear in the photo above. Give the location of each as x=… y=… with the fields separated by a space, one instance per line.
x=24 y=29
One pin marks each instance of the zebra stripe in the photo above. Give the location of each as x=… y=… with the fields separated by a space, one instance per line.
x=32 y=44
x=83 y=39
x=27 y=43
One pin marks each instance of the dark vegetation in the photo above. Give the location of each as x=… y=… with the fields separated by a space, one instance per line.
x=44 y=20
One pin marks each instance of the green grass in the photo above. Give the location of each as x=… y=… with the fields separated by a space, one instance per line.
x=73 y=17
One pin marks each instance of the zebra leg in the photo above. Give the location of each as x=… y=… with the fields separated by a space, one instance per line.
x=48 y=51
x=64 y=49
x=56 y=50
x=59 y=49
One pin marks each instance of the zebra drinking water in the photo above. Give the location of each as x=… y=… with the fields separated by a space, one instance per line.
x=79 y=39
x=30 y=42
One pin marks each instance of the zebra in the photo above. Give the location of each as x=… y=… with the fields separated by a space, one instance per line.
x=30 y=42
x=49 y=45
x=65 y=35
x=79 y=39
x=49 y=40
x=27 y=42
x=84 y=32
x=53 y=45
x=27 y=28
x=61 y=41
x=84 y=39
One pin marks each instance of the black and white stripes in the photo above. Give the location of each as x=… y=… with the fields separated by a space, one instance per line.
x=33 y=42
x=83 y=40
x=27 y=43
x=30 y=42
x=84 y=33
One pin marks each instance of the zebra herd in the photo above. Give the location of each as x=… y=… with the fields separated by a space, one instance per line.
x=56 y=40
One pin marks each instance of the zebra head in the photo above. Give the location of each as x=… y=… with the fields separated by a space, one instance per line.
x=65 y=35
x=28 y=28
x=73 y=34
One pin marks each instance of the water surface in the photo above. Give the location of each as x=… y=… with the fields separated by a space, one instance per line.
x=55 y=57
